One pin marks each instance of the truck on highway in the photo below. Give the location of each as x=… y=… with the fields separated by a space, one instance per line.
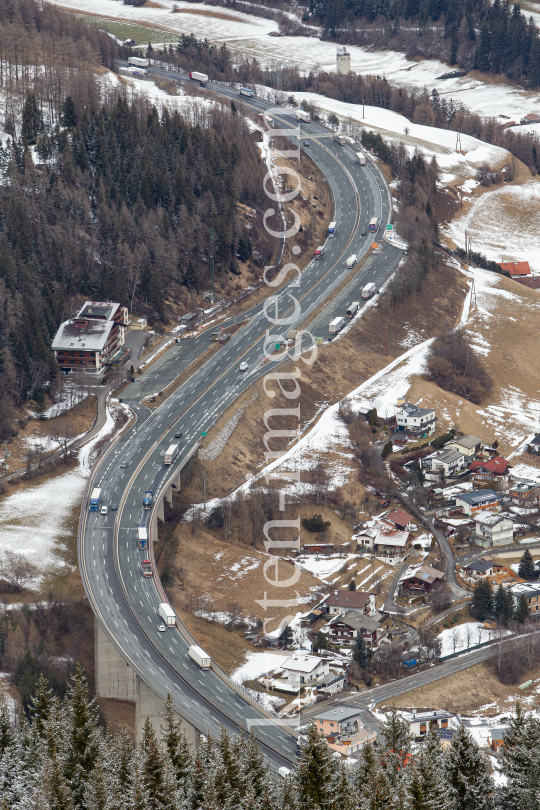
x=148 y=498
x=147 y=568
x=133 y=71
x=336 y=325
x=202 y=78
x=246 y=91
x=369 y=290
x=199 y=656
x=332 y=229
x=361 y=158
x=340 y=139
x=167 y=614
x=352 y=309
x=284 y=772
x=170 y=454
x=373 y=224
x=351 y=261
x=320 y=252
x=142 y=534
x=95 y=499
x=265 y=119
x=302 y=115
x=137 y=61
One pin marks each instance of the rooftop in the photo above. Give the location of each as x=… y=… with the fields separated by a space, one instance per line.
x=339 y=714
x=348 y=599
x=77 y=334
x=399 y=517
x=301 y=663
x=477 y=497
x=516 y=268
x=469 y=441
x=426 y=573
x=100 y=310
x=497 y=465
x=480 y=565
x=358 y=621
x=414 y=410
x=424 y=717
x=448 y=455
x=489 y=518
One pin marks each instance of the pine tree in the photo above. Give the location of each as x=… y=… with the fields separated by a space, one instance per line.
x=526 y=568
x=396 y=735
x=467 y=774
x=6 y=732
x=519 y=763
x=68 y=116
x=81 y=735
x=32 y=119
x=503 y=608
x=343 y=790
x=481 y=606
x=156 y=773
x=313 y=776
x=361 y=654
x=177 y=744
x=371 y=781
x=286 y=637
x=254 y=768
x=352 y=585
x=522 y=611
x=426 y=777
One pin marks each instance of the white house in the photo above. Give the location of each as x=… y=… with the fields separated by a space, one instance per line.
x=476 y=501
x=493 y=529
x=420 y=422
x=305 y=669
x=442 y=464
x=340 y=602
x=419 y=722
x=468 y=445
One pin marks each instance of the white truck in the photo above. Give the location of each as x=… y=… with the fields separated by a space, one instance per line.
x=332 y=228
x=336 y=325
x=369 y=290
x=134 y=71
x=167 y=614
x=340 y=139
x=170 y=454
x=361 y=158
x=142 y=535
x=137 y=61
x=199 y=656
x=284 y=772
x=352 y=309
x=351 y=261
x=202 y=78
x=301 y=115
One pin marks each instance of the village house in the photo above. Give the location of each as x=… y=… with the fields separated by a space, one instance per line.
x=516 y=269
x=419 y=722
x=425 y=579
x=89 y=342
x=401 y=520
x=469 y=445
x=534 y=445
x=418 y=422
x=479 y=569
x=492 y=529
x=385 y=541
x=442 y=464
x=473 y=502
x=530 y=118
x=339 y=602
x=525 y=495
x=344 y=630
x=486 y=472
x=531 y=591
x=305 y=669
x=343 y=729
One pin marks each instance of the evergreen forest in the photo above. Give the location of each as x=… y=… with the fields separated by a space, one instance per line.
x=59 y=756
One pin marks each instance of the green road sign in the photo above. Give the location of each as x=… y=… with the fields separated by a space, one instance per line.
x=203 y=433
x=278 y=346
x=390 y=227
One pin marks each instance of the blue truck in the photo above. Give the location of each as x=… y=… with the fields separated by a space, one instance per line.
x=95 y=499
x=147 y=500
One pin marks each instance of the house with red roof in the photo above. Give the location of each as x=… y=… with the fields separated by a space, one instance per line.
x=401 y=519
x=516 y=269
x=485 y=472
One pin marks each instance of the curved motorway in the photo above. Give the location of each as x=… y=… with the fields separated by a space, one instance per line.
x=124 y=602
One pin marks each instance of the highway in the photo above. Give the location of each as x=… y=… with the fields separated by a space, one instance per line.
x=125 y=603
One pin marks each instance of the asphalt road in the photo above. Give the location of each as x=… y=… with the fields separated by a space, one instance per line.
x=126 y=603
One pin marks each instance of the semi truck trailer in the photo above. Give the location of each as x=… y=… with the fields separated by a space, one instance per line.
x=301 y=115
x=170 y=454
x=369 y=290
x=202 y=78
x=137 y=61
x=199 y=656
x=336 y=325
x=95 y=499
x=167 y=614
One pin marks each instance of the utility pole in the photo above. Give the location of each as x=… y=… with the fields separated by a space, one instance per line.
x=385 y=340
x=212 y=263
x=204 y=490
x=363 y=108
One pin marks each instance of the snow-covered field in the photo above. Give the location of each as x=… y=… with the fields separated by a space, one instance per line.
x=503 y=224
x=33 y=520
x=463 y=636
x=324 y=567
x=247 y=36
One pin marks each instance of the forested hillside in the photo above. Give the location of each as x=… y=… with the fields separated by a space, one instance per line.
x=60 y=759
x=101 y=195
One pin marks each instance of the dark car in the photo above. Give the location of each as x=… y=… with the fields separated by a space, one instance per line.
x=450 y=533
x=306 y=143
x=114 y=507
x=364 y=233
x=178 y=435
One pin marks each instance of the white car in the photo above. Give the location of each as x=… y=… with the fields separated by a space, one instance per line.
x=161 y=628
x=244 y=366
x=103 y=510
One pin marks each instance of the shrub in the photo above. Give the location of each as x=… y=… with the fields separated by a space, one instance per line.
x=454 y=366
x=315 y=524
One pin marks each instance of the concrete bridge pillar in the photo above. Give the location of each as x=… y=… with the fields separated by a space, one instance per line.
x=114 y=677
x=169 y=495
x=155 y=537
x=161 y=511
x=150 y=705
x=177 y=482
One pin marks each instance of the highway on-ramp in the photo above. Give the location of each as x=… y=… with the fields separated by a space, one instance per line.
x=125 y=603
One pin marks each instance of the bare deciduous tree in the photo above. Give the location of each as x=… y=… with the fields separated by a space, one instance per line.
x=17 y=569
